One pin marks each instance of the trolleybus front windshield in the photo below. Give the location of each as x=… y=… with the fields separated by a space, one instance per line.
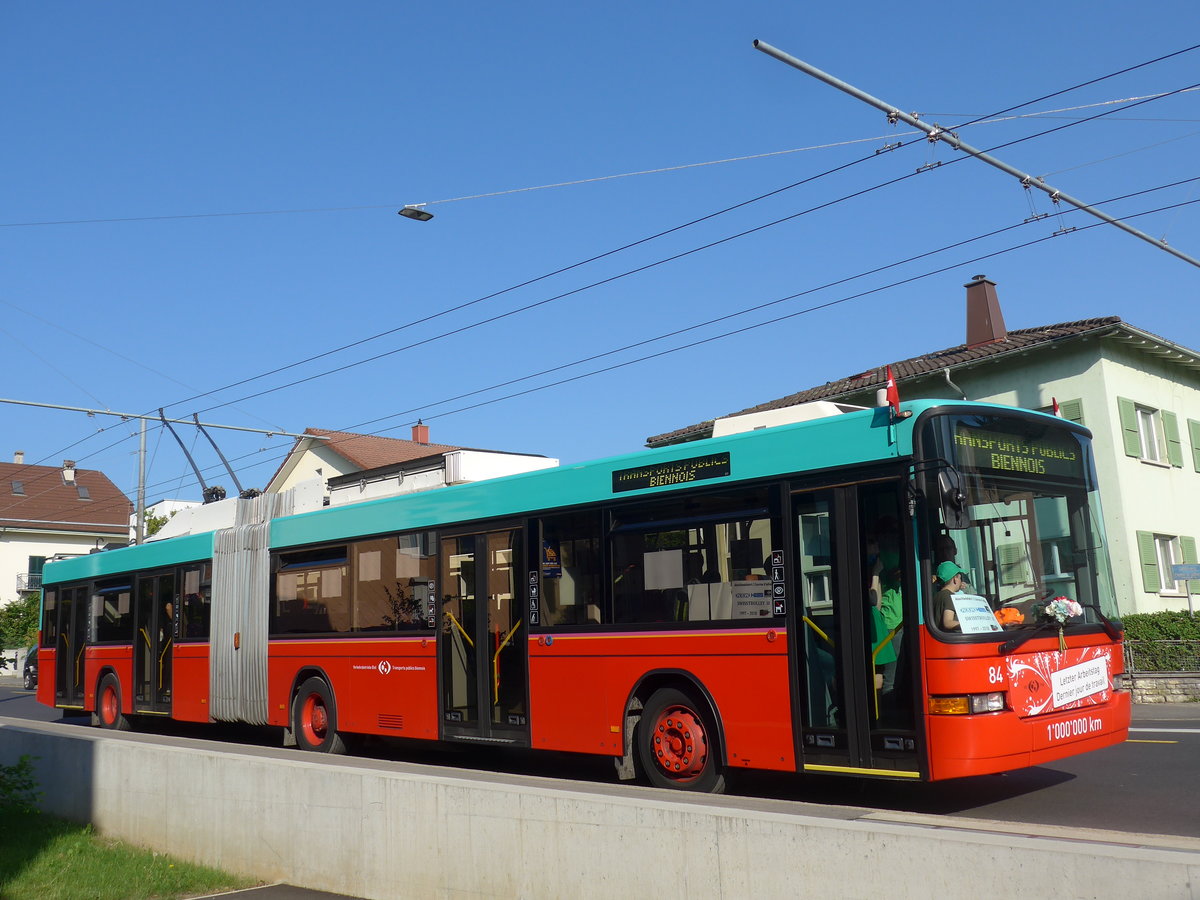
x=1032 y=532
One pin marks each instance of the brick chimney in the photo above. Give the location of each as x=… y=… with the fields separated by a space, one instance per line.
x=985 y=322
x=420 y=433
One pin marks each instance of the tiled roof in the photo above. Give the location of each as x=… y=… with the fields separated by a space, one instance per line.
x=919 y=366
x=37 y=497
x=368 y=451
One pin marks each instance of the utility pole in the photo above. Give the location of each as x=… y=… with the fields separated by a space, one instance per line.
x=140 y=533
x=936 y=133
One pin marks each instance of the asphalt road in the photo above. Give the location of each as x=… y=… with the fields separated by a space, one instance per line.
x=1147 y=785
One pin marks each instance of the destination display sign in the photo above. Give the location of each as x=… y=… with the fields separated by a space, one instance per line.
x=1054 y=455
x=680 y=471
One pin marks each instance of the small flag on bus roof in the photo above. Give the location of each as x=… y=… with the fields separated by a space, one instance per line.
x=893 y=393
x=1054 y=407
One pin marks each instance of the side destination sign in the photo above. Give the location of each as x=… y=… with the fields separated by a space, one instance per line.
x=681 y=471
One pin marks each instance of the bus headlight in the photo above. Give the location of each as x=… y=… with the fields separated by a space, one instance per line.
x=981 y=703
x=968 y=704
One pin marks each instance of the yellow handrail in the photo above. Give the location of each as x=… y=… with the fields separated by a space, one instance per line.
x=815 y=627
x=161 y=657
x=874 y=654
x=496 y=663
x=462 y=631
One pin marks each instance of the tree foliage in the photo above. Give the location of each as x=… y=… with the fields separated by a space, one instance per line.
x=19 y=621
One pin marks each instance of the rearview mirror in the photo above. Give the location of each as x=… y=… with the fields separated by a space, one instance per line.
x=954 y=499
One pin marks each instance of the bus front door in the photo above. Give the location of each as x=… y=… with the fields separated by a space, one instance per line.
x=856 y=708
x=482 y=655
x=154 y=643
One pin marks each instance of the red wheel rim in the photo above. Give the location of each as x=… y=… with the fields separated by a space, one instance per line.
x=314 y=719
x=680 y=745
x=109 y=707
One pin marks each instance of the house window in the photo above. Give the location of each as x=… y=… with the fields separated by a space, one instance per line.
x=1071 y=410
x=1157 y=553
x=1166 y=551
x=1150 y=434
x=1056 y=559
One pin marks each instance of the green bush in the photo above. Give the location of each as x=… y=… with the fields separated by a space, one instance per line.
x=1145 y=634
x=18 y=789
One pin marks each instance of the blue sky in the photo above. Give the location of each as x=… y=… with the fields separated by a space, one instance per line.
x=176 y=116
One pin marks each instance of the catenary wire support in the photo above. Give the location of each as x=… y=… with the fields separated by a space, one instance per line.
x=939 y=134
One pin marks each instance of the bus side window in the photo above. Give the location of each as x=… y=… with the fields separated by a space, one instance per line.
x=196 y=614
x=571 y=565
x=708 y=561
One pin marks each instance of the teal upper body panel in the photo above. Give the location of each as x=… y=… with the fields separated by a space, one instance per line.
x=845 y=440
x=850 y=439
x=154 y=554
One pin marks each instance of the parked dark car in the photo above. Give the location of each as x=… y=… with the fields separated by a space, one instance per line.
x=30 y=669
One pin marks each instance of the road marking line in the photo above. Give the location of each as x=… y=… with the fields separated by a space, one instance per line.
x=1142 y=741
x=1167 y=730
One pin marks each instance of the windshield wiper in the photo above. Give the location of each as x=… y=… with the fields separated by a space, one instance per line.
x=1111 y=628
x=1010 y=645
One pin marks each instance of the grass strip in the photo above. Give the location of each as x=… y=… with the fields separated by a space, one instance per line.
x=45 y=858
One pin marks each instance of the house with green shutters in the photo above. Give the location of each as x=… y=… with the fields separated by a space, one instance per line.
x=1138 y=393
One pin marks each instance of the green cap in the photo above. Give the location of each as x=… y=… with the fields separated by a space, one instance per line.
x=948 y=570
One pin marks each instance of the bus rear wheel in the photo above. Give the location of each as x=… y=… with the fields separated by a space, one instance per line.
x=314 y=718
x=677 y=744
x=108 y=705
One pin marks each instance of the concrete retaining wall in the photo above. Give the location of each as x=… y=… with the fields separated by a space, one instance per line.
x=386 y=830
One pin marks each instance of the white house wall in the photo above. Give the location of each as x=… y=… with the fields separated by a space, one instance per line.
x=16 y=546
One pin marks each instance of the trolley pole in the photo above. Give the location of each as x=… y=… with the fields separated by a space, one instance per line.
x=936 y=133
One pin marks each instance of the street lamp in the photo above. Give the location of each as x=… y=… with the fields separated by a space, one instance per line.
x=416 y=211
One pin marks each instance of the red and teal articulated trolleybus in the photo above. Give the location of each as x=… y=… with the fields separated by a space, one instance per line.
x=916 y=596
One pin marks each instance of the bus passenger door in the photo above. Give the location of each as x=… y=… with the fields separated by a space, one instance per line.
x=482 y=655
x=72 y=641
x=154 y=643
x=849 y=723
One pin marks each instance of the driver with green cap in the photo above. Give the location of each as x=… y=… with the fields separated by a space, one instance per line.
x=951 y=577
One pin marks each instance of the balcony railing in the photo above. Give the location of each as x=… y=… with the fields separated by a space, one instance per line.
x=31 y=581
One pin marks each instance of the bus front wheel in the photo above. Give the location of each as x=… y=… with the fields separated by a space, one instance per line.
x=108 y=705
x=314 y=718
x=677 y=744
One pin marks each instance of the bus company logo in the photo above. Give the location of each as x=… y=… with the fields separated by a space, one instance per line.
x=384 y=667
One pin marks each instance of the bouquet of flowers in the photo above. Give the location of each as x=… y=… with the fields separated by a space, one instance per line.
x=1059 y=610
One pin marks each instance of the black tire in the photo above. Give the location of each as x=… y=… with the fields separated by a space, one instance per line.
x=30 y=684
x=108 y=705
x=677 y=744
x=314 y=718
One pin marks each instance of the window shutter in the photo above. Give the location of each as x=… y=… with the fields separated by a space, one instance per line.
x=1194 y=434
x=1072 y=410
x=1187 y=548
x=1148 y=557
x=1129 y=427
x=1012 y=564
x=1174 y=445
